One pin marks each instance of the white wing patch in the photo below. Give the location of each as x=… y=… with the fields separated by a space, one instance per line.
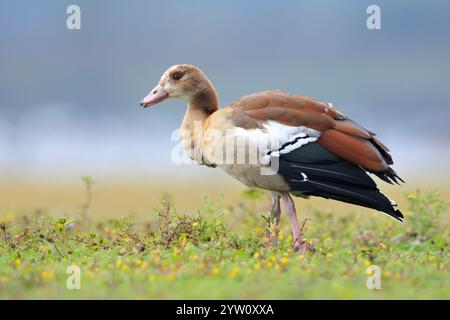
x=277 y=138
x=305 y=177
x=393 y=203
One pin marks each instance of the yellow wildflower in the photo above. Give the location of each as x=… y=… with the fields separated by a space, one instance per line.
x=234 y=272
x=47 y=275
x=201 y=265
x=257 y=266
x=411 y=196
x=284 y=261
x=194 y=257
x=171 y=277
x=18 y=262
x=9 y=217
x=256 y=255
x=215 y=271
x=155 y=257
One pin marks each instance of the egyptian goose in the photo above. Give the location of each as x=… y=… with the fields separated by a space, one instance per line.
x=281 y=142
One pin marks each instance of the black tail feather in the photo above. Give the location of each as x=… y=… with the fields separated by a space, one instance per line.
x=340 y=181
x=389 y=176
x=373 y=199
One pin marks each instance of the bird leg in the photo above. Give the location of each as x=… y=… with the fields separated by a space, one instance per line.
x=275 y=218
x=300 y=245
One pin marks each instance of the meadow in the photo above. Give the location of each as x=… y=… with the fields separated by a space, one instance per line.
x=220 y=250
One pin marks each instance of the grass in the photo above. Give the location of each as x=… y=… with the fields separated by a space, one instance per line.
x=222 y=252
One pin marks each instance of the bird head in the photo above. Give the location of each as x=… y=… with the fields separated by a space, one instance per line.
x=182 y=81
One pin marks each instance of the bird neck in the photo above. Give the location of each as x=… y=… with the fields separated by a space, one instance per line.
x=201 y=107
x=205 y=101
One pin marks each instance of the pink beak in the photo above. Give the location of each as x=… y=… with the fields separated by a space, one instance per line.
x=155 y=96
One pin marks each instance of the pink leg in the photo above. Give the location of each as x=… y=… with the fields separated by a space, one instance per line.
x=299 y=244
x=275 y=217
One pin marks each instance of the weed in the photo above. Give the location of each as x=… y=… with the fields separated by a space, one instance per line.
x=199 y=255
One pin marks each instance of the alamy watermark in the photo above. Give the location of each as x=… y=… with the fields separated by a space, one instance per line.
x=373 y=22
x=73 y=281
x=374 y=280
x=73 y=21
x=234 y=147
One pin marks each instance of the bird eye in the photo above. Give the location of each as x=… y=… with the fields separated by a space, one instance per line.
x=177 y=76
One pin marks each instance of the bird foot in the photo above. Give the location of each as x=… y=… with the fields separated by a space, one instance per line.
x=303 y=247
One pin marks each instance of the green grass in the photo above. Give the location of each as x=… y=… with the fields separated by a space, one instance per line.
x=223 y=253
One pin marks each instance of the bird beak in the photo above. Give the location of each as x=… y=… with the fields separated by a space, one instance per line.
x=155 y=96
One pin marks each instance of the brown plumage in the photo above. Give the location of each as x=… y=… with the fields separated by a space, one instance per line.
x=319 y=151
x=340 y=135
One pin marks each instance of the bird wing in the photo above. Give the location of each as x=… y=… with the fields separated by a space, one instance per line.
x=313 y=171
x=296 y=120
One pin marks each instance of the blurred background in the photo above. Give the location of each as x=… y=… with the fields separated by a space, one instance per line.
x=69 y=98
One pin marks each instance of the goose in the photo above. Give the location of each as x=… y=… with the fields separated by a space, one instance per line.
x=282 y=142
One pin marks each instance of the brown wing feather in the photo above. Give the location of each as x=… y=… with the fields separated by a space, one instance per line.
x=340 y=135
x=293 y=117
x=354 y=149
x=351 y=127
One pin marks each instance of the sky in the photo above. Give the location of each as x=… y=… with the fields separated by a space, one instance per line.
x=69 y=98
